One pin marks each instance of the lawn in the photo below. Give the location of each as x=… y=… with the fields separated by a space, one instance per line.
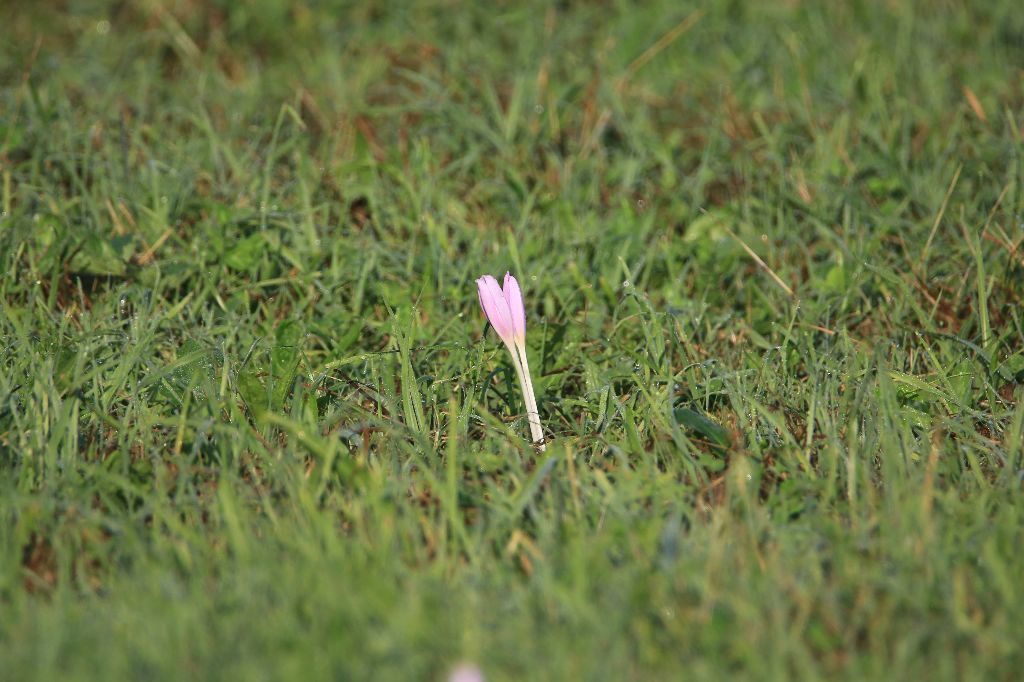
x=255 y=426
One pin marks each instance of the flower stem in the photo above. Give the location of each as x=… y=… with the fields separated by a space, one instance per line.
x=529 y=398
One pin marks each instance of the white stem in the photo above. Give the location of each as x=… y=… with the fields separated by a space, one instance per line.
x=532 y=416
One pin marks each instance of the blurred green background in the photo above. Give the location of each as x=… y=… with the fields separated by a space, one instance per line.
x=253 y=424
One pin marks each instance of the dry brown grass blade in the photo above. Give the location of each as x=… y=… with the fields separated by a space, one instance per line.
x=760 y=262
x=663 y=42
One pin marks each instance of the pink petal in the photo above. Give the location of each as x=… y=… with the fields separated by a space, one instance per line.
x=467 y=672
x=514 y=299
x=495 y=307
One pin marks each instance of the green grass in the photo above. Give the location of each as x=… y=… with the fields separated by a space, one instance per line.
x=253 y=424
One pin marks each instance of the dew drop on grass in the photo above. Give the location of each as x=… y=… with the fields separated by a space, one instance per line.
x=625 y=284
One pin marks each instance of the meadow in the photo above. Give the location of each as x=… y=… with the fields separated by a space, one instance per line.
x=254 y=424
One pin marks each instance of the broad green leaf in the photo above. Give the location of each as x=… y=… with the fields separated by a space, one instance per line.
x=245 y=254
x=710 y=431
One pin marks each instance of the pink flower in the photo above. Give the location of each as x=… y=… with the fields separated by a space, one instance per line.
x=504 y=310
x=466 y=672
